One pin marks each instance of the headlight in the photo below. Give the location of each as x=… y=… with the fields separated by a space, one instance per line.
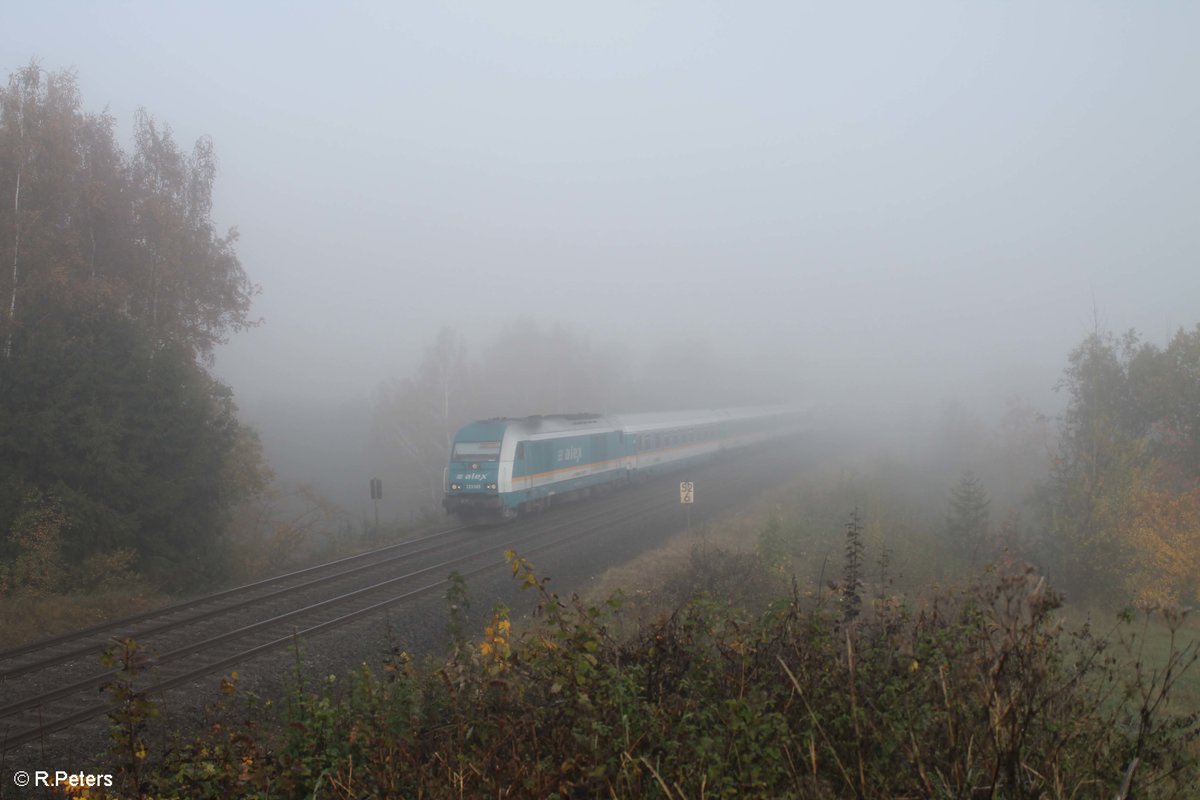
x=454 y=487
x=491 y=486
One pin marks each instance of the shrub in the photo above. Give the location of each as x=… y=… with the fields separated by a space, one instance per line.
x=977 y=692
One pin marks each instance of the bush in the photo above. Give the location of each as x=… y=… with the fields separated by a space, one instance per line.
x=978 y=692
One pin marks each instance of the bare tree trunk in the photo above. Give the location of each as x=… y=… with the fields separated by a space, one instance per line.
x=16 y=270
x=154 y=341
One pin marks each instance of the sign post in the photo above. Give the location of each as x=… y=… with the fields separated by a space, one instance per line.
x=376 y=495
x=687 y=494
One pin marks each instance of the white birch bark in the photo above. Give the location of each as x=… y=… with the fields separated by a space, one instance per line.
x=16 y=267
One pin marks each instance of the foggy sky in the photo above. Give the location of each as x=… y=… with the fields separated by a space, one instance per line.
x=894 y=195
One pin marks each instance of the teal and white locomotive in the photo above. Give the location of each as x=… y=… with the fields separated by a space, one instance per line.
x=502 y=467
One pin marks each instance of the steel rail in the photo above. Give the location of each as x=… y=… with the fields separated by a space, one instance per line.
x=170 y=625
x=183 y=605
x=100 y=679
x=96 y=710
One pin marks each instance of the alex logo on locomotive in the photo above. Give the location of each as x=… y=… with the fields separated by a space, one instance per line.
x=569 y=455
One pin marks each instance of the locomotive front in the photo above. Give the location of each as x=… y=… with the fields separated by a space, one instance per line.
x=473 y=474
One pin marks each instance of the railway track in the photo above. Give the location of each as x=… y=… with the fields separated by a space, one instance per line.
x=44 y=653
x=54 y=684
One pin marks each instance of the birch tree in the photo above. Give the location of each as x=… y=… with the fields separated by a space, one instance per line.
x=190 y=287
x=39 y=114
x=115 y=289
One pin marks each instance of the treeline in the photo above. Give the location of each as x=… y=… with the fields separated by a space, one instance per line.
x=1107 y=503
x=115 y=442
x=1104 y=500
x=1121 y=510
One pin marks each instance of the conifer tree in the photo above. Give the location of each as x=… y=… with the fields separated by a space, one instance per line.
x=967 y=520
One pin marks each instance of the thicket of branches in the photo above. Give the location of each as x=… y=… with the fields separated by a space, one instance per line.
x=972 y=693
x=115 y=442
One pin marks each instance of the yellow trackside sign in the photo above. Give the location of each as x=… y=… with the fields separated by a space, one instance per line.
x=686 y=492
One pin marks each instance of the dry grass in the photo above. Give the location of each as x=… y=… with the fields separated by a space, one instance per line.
x=717 y=558
x=640 y=578
x=810 y=512
x=643 y=574
x=26 y=617
x=1147 y=638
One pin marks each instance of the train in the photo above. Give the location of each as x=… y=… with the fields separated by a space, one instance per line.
x=503 y=467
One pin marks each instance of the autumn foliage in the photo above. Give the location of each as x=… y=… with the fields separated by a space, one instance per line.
x=116 y=286
x=972 y=692
x=1123 y=505
x=1164 y=536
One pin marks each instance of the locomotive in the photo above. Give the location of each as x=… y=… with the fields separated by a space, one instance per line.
x=503 y=467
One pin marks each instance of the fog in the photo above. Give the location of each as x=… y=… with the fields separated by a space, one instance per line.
x=893 y=205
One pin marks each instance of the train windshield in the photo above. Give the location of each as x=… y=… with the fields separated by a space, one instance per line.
x=476 y=451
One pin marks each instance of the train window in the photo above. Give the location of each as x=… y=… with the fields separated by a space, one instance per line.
x=599 y=448
x=520 y=451
x=476 y=451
